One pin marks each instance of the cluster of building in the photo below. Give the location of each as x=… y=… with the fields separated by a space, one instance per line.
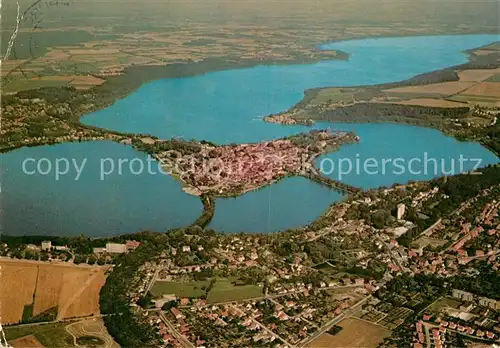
x=485 y=112
x=243 y=251
x=44 y=251
x=223 y=169
x=465 y=235
x=431 y=330
x=480 y=300
x=47 y=251
x=284 y=320
x=429 y=336
x=291 y=309
x=468 y=320
x=486 y=217
x=24 y=118
x=117 y=248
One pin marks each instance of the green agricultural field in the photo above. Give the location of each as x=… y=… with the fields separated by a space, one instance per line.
x=78 y=68
x=492 y=47
x=50 y=335
x=181 y=289
x=223 y=290
x=90 y=341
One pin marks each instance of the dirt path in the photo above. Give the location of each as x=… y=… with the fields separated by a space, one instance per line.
x=91 y=327
x=71 y=333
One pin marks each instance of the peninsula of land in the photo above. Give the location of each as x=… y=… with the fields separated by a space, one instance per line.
x=462 y=101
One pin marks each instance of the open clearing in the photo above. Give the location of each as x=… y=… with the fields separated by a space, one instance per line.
x=181 y=289
x=354 y=333
x=494 y=78
x=443 y=304
x=478 y=99
x=86 y=82
x=336 y=95
x=74 y=290
x=62 y=334
x=424 y=241
x=18 y=279
x=224 y=291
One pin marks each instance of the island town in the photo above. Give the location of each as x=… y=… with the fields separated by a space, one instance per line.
x=235 y=169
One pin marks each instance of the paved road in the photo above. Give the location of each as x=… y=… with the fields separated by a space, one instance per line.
x=275 y=295
x=153 y=280
x=5 y=259
x=391 y=253
x=60 y=321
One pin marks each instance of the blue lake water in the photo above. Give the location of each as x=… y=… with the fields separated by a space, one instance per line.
x=225 y=107
x=264 y=210
x=40 y=204
x=409 y=153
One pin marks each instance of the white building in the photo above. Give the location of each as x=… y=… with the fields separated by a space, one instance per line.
x=401 y=211
x=399 y=231
x=463 y=295
x=46 y=245
x=115 y=248
x=488 y=302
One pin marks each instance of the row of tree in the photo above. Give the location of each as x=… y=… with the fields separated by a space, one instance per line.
x=126 y=326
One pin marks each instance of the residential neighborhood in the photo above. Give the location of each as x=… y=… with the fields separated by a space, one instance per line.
x=347 y=269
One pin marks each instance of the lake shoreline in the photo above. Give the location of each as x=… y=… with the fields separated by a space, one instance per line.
x=225 y=171
x=208 y=205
